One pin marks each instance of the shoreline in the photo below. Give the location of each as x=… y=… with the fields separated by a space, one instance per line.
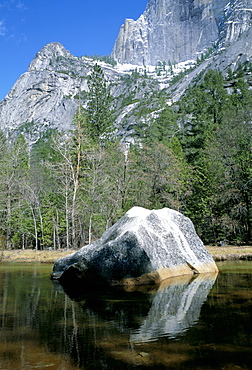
x=230 y=253
x=32 y=256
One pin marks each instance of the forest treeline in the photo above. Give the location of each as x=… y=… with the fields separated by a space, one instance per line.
x=65 y=190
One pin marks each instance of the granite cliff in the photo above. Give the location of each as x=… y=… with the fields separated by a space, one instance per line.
x=47 y=95
x=179 y=30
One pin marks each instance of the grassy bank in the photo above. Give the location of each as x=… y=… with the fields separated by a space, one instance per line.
x=231 y=253
x=32 y=256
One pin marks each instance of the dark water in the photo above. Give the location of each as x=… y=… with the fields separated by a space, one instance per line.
x=202 y=323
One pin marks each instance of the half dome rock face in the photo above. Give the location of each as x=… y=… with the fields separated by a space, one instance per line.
x=168 y=30
x=180 y=30
x=143 y=247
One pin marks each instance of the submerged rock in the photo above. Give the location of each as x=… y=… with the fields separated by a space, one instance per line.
x=143 y=247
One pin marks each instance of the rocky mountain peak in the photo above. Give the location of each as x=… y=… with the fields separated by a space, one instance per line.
x=168 y=31
x=49 y=52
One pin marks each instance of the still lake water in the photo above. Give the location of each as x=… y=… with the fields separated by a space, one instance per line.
x=202 y=323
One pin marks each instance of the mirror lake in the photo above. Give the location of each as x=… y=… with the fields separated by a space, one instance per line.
x=202 y=322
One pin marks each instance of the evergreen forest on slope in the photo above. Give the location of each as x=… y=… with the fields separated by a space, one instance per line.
x=65 y=190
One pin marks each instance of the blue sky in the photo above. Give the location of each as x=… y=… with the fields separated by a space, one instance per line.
x=84 y=27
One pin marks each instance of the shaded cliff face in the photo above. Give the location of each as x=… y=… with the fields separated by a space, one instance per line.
x=179 y=30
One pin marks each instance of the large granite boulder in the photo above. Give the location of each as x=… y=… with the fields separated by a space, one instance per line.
x=143 y=247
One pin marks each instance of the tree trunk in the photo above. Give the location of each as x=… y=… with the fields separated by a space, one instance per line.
x=74 y=239
x=248 y=212
x=90 y=226
x=35 y=228
x=8 y=216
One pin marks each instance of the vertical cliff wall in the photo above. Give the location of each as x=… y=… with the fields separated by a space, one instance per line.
x=179 y=30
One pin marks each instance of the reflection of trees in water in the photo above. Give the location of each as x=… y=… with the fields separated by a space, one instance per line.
x=94 y=327
x=41 y=325
x=141 y=316
x=115 y=321
x=25 y=297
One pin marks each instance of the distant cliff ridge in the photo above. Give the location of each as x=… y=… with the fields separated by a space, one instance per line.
x=179 y=30
x=48 y=94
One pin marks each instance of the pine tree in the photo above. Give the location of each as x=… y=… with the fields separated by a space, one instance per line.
x=99 y=116
x=202 y=111
x=217 y=140
x=230 y=160
x=163 y=128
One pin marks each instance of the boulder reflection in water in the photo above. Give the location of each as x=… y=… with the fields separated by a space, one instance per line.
x=167 y=309
x=175 y=307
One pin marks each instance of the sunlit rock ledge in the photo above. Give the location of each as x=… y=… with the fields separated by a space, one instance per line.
x=143 y=247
